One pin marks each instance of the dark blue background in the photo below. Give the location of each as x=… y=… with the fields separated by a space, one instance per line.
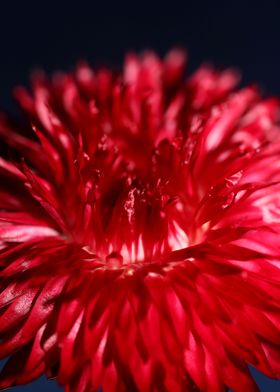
x=245 y=34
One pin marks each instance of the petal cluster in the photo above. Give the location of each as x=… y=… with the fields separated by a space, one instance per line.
x=139 y=230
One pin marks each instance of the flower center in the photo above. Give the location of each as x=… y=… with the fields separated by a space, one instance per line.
x=137 y=213
x=114 y=260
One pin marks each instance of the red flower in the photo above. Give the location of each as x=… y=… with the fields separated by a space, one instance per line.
x=140 y=231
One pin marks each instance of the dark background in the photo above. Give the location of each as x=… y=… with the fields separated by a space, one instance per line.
x=244 y=34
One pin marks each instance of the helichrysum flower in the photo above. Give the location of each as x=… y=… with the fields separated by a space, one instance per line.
x=139 y=232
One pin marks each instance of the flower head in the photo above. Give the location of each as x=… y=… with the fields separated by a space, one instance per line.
x=139 y=230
